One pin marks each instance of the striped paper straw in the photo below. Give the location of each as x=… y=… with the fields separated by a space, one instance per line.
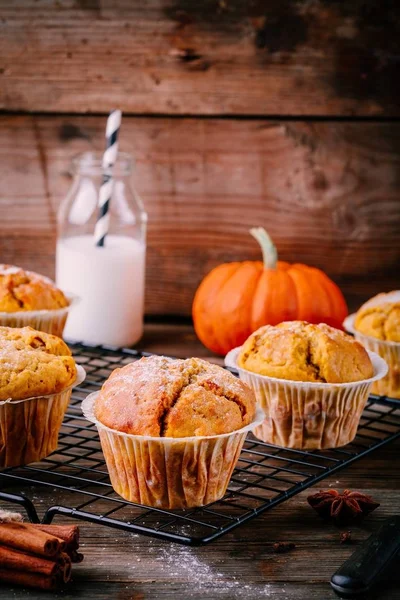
x=109 y=158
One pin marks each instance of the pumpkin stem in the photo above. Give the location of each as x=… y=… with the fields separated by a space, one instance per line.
x=269 y=252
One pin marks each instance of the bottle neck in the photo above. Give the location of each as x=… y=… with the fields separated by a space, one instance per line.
x=90 y=164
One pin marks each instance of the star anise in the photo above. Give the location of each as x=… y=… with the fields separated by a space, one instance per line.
x=343 y=508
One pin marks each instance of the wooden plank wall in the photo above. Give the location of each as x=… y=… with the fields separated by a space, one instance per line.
x=277 y=113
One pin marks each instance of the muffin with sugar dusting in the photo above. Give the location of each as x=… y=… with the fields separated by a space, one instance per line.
x=37 y=372
x=33 y=363
x=303 y=351
x=162 y=397
x=171 y=430
x=377 y=326
x=380 y=317
x=30 y=299
x=312 y=382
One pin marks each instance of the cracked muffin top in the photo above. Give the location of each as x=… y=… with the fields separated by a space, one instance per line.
x=299 y=351
x=163 y=397
x=24 y=290
x=380 y=317
x=33 y=363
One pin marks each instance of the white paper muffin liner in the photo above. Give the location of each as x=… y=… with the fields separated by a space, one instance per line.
x=166 y=472
x=29 y=428
x=308 y=415
x=49 y=321
x=389 y=351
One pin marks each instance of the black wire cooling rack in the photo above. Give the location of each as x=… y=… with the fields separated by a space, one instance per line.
x=265 y=475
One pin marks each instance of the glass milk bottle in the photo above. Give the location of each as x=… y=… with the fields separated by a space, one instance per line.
x=109 y=280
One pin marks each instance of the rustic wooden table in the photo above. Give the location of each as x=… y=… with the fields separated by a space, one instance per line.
x=122 y=566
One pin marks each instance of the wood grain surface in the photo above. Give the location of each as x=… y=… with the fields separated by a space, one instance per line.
x=242 y=564
x=281 y=57
x=328 y=193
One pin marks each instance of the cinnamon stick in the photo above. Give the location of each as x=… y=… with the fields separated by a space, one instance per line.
x=68 y=533
x=76 y=557
x=63 y=558
x=19 y=561
x=23 y=536
x=26 y=579
x=67 y=570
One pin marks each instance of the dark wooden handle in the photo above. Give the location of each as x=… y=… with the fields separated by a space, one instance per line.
x=366 y=566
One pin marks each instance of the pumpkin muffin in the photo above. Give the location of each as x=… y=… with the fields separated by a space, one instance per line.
x=162 y=397
x=171 y=430
x=36 y=375
x=33 y=363
x=312 y=382
x=301 y=351
x=24 y=290
x=380 y=317
x=377 y=326
x=27 y=298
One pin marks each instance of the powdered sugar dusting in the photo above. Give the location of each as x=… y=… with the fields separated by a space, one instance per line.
x=147 y=369
x=382 y=299
x=137 y=398
x=224 y=379
x=185 y=564
x=9 y=270
x=155 y=371
x=7 y=516
x=162 y=371
x=13 y=270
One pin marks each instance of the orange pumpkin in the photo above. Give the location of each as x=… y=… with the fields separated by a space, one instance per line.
x=237 y=298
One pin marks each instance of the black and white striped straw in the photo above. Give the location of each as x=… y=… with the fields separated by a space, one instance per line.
x=109 y=158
